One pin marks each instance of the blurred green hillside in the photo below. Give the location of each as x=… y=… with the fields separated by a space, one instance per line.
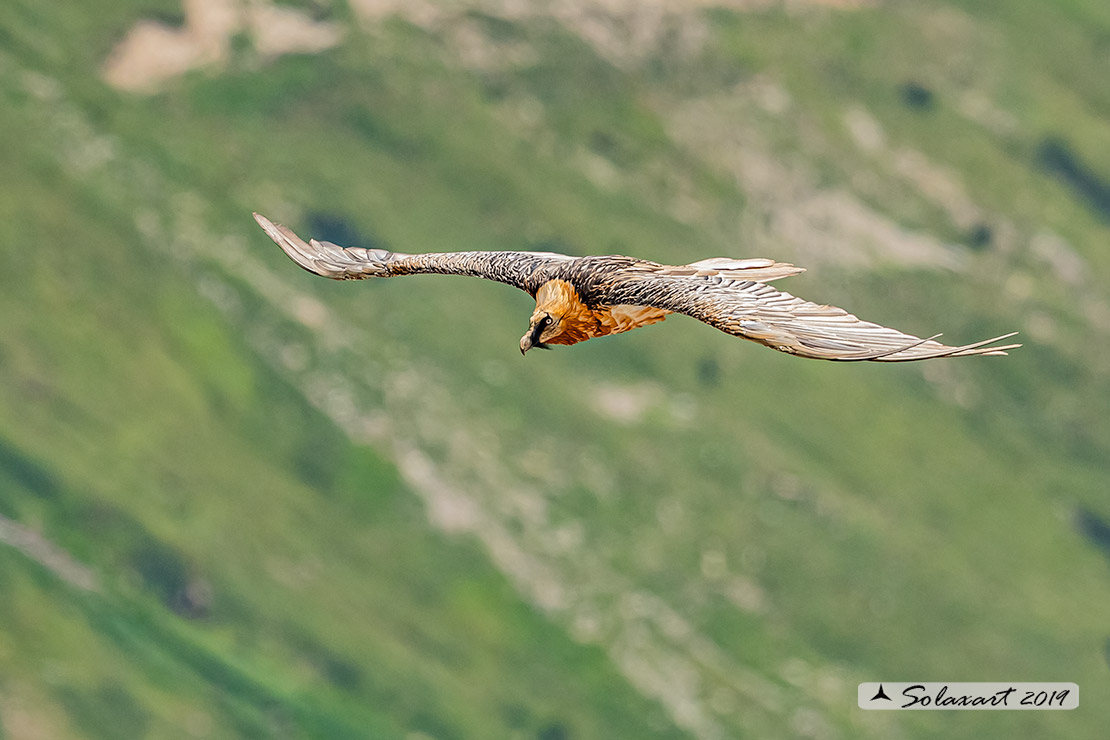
x=239 y=501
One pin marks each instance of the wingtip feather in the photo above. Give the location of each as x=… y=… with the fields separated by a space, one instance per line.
x=325 y=258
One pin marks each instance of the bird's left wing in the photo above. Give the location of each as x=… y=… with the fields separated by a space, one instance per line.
x=524 y=270
x=758 y=312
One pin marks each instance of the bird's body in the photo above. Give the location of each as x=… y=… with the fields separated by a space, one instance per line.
x=579 y=298
x=558 y=297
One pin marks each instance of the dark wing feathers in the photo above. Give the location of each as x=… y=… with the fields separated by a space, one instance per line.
x=524 y=270
x=779 y=320
x=731 y=295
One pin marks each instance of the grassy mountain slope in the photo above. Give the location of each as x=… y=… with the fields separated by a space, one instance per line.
x=312 y=509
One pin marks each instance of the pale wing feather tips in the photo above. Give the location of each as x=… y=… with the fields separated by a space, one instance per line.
x=327 y=259
x=784 y=322
x=524 y=270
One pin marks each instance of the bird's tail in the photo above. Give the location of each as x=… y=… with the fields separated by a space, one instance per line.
x=328 y=259
x=757 y=269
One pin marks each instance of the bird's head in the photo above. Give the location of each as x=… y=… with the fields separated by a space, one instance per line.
x=543 y=326
x=560 y=317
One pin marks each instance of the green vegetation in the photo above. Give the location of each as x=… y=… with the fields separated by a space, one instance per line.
x=324 y=510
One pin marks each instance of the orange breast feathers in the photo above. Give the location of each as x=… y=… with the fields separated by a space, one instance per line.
x=579 y=322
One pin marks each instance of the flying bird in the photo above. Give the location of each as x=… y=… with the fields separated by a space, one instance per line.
x=579 y=298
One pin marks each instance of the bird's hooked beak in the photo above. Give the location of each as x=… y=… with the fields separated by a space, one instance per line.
x=532 y=339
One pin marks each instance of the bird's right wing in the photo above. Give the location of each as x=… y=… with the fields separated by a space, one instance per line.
x=524 y=270
x=758 y=312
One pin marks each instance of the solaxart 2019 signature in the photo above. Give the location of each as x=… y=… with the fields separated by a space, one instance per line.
x=967 y=695
x=1003 y=698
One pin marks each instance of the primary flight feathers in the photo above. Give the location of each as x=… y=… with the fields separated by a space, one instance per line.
x=578 y=298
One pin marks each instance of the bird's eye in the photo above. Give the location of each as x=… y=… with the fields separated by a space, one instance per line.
x=545 y=322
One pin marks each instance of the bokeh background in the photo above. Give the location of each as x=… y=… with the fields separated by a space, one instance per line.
x=239 y=501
